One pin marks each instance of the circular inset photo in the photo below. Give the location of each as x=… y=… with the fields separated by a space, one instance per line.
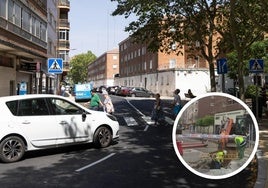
x=215 y=135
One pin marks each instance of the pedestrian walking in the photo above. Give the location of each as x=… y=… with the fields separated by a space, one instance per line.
x=177 y=103
x=107 y=103
x=157 y=112
x=62 y=90
x=95 y=101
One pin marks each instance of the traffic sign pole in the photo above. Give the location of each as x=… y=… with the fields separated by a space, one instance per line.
x=222 y=69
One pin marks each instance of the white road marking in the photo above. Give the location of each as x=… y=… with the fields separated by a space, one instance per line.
x=146 y=128
x=169 y=120
x=96 y=162
x=135 y=108
x=130 y=121
x=148 y=120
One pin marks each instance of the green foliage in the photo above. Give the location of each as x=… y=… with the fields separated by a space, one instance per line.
x=79 y=67
x=160 y=24
x=205 y=121
x=251 y=91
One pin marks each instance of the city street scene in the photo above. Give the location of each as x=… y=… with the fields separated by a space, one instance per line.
x=216 y=135
x=121 y=93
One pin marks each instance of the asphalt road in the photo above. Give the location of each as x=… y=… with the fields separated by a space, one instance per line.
x=143 y=157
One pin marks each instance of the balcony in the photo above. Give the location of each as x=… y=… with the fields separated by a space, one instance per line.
x=64 y=23
x=64 y=4
x=64 y=45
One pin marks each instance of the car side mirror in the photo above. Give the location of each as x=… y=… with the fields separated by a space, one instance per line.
x=84 y=116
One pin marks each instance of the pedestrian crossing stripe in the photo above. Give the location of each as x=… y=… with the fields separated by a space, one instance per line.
x=55 y=65
x=130 y=121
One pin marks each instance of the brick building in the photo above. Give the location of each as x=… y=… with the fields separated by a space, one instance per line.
x=159 y=72
x=103 y=70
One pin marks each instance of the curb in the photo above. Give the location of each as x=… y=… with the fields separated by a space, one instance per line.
x=261 y=181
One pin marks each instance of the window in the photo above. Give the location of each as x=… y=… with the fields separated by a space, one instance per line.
x=32 y=107
x=37 y=28
x=114 y=57
x=172 y=63
x=33 y=26
x=10 y=11
x=26 y=20
x=64 y=34
x=62 y=107
x=17 y=14
x=43 y=30
x=3 y=7
x=12 y=106
x=64 y=55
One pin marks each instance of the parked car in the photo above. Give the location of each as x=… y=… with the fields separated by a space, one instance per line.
x=140 y=92
x=43 y=121
x=123 y=91
x=112 y=90
x=100 y=89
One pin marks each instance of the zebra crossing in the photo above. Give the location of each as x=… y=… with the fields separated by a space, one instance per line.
x=131 y=121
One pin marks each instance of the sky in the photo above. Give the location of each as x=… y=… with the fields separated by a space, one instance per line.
x=92 y=28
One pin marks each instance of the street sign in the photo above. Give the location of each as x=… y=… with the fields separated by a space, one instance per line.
x=256 y=66
x=222 y=66
x=55 y=65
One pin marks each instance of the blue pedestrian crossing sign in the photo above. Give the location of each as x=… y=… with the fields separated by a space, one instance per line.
x=256 y=66
x=222 y=66
x=55 y=65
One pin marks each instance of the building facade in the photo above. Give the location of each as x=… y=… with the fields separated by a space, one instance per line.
x=104 y=69
x=63 y=38
x=162 y=73
x=23 y=45
x=49 y=81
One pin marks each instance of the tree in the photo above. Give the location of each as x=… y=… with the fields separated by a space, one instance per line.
x=161 y=24
x=217 y=26
x=242 y=33
x=79 y=63
x=257 y=11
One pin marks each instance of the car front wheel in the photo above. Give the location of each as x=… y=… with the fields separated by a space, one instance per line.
x=12 y=149
x=103 y=137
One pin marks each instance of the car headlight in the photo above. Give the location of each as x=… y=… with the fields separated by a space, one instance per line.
x=111 y=117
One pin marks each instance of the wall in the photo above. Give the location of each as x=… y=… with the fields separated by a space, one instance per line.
x=7 y=75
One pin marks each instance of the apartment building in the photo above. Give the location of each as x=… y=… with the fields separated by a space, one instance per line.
x=104 y=69
x=23 y=45
x=63 y=36
x=208 y=106
x=49 y=81
x=160 y=72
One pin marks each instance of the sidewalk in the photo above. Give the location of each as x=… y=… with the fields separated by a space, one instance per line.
x=262 y=155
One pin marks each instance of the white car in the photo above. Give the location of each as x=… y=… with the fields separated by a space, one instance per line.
x=41 y=121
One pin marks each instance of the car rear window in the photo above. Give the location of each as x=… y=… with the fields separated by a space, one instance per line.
x=12 y=106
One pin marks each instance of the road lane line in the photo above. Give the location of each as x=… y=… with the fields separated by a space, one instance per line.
x=146 y=128
x=130 y=121
x=134 y=108
x=96 y=162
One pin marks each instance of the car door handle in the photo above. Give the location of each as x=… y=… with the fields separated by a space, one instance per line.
x=63 y=122
x=26 y=122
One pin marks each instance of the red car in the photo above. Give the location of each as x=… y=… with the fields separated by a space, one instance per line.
x=123 y=91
